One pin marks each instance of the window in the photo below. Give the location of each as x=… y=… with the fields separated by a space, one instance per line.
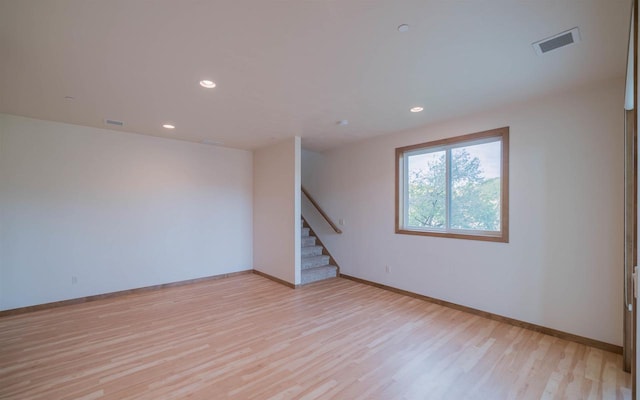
x=455 y=187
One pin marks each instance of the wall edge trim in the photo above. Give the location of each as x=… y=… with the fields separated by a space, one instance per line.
x=273 y=278
x=511 y=321
x=80 y=300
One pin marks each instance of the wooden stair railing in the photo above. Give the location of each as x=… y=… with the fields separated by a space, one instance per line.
x=321 y=211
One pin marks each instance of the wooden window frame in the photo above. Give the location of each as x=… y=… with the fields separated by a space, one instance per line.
x=503 y=234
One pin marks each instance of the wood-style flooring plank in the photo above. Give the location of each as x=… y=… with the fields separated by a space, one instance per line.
x=246 y=337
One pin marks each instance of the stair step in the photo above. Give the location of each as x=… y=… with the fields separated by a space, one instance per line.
x=308 y=241
x=314 y=261
x=308 y=251
x=318 y=273
x=305 y=232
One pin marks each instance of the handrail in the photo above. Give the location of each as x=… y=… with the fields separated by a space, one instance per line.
x=321 y=211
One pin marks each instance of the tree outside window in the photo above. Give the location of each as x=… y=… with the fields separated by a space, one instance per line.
x=455 y=187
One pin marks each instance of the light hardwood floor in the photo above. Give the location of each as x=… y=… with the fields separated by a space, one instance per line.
x=246 y=337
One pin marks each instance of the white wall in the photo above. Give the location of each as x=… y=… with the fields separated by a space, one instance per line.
x=276 y=205
x=311 y=163
x=116 y=210
x=563 y=266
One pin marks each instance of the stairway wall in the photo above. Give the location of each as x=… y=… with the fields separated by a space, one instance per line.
x=312 y=167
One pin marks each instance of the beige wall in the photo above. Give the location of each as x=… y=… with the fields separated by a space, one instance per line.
x=563 y=266
x=115 y=210
x=276 y=210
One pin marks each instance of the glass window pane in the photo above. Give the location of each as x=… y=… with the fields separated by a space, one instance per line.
x=426 y=190
x=475 y=187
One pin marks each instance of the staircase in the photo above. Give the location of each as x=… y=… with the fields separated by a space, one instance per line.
x=316 y=260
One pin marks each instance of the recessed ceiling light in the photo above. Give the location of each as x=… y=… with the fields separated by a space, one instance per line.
x=69 y=97
x=205 y=83
x=169 y=126
x=416 y=109
x=403 y=28
x=343 y=122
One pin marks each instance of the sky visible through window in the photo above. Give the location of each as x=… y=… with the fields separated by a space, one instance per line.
x=487 y=153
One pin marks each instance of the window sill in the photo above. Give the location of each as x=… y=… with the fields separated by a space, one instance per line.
x=500 y=238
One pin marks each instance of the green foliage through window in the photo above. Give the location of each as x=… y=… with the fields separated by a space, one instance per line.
x=453 y=187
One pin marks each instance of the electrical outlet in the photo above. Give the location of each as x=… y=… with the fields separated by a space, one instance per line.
x=74 y=280
x=341 y=221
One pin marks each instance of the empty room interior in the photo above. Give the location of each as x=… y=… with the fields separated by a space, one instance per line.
x=280 y=199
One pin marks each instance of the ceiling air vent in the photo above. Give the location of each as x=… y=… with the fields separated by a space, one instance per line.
x=212 y=142
x=113 y=122
x=555 y=42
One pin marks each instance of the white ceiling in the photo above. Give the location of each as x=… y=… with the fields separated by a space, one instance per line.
x=293 y=67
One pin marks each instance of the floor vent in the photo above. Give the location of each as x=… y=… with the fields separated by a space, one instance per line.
x=557 y=41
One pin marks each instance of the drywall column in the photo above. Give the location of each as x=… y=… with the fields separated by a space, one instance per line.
x=276 y=212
